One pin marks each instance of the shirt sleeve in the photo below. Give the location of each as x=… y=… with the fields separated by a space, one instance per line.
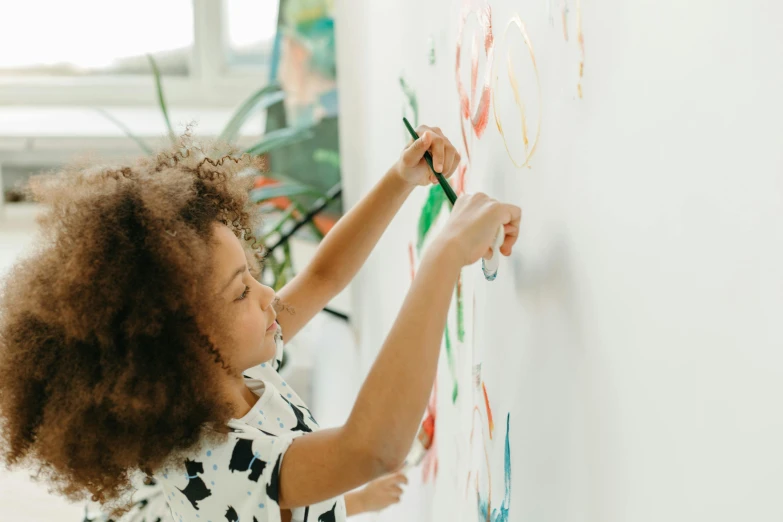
x=240 y=480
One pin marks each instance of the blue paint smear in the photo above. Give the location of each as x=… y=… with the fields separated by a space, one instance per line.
x=500 y=514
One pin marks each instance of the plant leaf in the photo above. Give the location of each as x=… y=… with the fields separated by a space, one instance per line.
x=161 y=98
x=283 y=190
x=311 y=223
x=429 y=213
x=285 y=178
x=280 y=138
x=143 y=146
x=330 y=157
x=259 y=100
x=274 y=229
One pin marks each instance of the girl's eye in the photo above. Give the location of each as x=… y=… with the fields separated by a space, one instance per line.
x=244 y=294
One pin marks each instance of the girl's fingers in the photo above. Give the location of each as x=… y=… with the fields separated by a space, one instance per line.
x=415 y=151
x=438 y=151
x=512 y=233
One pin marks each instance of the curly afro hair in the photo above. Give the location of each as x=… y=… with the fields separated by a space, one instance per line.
x=106 y=370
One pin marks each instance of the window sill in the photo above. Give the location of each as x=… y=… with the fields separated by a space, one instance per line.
x=30 y=128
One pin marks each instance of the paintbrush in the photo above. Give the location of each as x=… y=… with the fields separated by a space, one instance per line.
x=488 y=266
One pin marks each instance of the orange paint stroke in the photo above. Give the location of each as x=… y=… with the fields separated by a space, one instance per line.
x=529 y=150
x=489 y=411
x=464 y=136
x=486 y=457
x=476 y=112
x=581 y=39
x=411 y=260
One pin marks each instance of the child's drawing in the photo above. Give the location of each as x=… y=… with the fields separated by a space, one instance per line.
x=529 y=148
x=500 y=514
x=475 y=110
x=484 y=495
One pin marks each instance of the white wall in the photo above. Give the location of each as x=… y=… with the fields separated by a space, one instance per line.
x=633 y=336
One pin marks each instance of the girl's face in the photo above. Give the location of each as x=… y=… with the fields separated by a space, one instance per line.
x=247 y=318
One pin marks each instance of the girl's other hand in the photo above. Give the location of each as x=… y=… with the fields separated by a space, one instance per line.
x=383 y=492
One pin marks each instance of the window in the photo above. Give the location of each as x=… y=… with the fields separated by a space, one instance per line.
x=211 y=53
x=84 y=37
x=252 y=26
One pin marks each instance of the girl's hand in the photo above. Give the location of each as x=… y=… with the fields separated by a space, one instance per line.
x=383 y=492
x=413 y=168
x=472 y=226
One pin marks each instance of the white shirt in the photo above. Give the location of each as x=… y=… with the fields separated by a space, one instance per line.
x=239 y=480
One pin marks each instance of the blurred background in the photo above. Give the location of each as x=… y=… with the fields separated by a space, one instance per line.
x=89 y=79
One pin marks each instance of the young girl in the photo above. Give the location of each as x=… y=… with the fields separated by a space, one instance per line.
x=136 y=340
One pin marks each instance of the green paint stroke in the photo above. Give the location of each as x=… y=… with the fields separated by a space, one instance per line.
x=412 y=101
x=429 y=213
x=460 y=318
x=450 y=359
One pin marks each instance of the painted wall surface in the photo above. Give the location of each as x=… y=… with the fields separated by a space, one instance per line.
x=631 y=349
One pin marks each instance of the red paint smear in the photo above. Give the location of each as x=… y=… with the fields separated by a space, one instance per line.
x=478 y=116
x=482 y=112
x=490 y=422
x=460 y=182
x=411 y=260
x=464 y=138
x=430 y=461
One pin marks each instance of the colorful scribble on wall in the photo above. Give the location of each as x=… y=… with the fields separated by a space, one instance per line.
x=431 y=209
x=516 y=21
x=499 y=514
x=484 y=498
x=565 y=13
x=471 y=109
x=482 y=428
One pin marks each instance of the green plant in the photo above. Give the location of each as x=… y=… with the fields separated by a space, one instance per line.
x=298 y=191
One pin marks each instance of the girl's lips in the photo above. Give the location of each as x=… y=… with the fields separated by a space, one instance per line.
x=272 y=326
